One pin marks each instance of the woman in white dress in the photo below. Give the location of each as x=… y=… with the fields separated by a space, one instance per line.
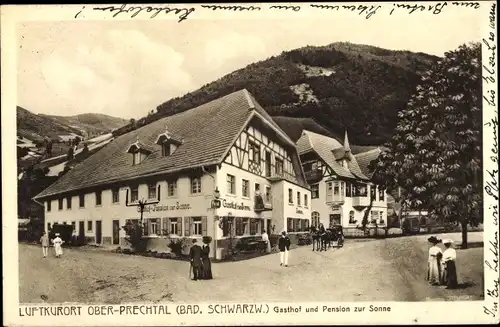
x=434 y=261
x=58 y=245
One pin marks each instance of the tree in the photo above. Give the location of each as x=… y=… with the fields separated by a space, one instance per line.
x=435 y=152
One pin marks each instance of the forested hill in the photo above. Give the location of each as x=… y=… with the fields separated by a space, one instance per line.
x=343 y=86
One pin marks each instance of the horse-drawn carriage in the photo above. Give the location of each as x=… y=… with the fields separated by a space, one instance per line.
x=323 y=238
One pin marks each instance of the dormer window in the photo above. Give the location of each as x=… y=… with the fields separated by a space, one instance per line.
x=168 y=142
x=139 y=152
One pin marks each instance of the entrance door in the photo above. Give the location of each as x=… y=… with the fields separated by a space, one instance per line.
x=335 y=219
x=81 y=232
x=116 y=232
x=268 y=228
x=98 y=232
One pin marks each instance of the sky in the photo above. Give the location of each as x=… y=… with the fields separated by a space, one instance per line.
x=126 y=68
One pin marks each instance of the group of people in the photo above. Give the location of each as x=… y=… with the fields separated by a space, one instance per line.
x=200 y=263
x=441 y=265
x=57 y=241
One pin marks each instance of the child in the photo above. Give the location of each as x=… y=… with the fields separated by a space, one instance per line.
x=45 y=244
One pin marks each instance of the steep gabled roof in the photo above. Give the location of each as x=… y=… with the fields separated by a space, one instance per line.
x=207 y=133
x=365 y=158
x=326 y=148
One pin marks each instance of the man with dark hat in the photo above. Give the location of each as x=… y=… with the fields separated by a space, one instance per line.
x=195 y=259
x=284 y=246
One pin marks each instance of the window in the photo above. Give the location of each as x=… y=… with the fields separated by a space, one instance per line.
x=315 y=218
x=239 y=226
x=174 y=226
x=49 y=226
x=298 y=198
x=154 y=226
x=336 y=189
x=381 y=194
x=231 y=184
x=73 y=224
x=82 y=200
x=253 y=226
x=115 y=195
x=245 y=226
x=49 y=205
x=342 y=189
x=68 y=202
x=134 y=193
x=374 y=216
x=314 y=191
x=268 y=194
x=197 y=226
x=305 y=201
x=373 y=194
x=335 y=219
x=165 y=150
x=290 y=196
x=279 y=166
x=89 y=225
x=348 y=189
x=254 y=152
x=195 y=185
x=257 y=188
x=151 y=191
x=361 y=190
x=381 y=217
x=245 y=188
x=225 y=228
x=172 y=188
x=136 y=158
x=329 y=188
x=98 y=198
x=60 y=204
x=351 y=217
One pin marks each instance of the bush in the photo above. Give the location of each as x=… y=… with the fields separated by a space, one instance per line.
x=177 y=245
x=304 y=239
x=248 y=243
x=134 y=232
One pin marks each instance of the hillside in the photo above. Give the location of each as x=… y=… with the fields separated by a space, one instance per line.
x=35 y=127
x=92 y=123
x=343 y=86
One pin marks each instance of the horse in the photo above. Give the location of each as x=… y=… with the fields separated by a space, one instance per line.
x=316 y=238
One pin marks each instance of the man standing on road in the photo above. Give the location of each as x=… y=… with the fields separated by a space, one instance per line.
x=284 y=245
x=45 y=244
x=195 y=260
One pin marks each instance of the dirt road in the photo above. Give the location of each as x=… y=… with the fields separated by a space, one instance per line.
x=374 y=270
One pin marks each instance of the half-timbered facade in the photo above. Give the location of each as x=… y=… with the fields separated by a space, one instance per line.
x=341 y=190
x=223 y=169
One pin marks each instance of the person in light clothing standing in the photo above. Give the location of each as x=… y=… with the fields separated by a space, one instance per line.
x=450 y=268
x=45 y=244
x=58 y=242
x=265 y=239
x=284 y=246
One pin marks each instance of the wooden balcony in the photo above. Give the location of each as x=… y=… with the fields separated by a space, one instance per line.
x=313 y=176
x=360 y=201
x=275 y=177
x=262 y=204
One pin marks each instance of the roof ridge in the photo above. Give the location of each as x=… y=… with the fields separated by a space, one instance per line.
x=251 y=105
x=368 y=151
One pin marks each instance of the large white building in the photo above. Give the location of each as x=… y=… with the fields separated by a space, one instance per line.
x=341 y=189
x=229 y=146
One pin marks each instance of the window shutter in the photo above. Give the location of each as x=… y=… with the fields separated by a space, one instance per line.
x=165 y=230
x=204 y=226
x=179 y=226
x=187 y=226
x=145 y=227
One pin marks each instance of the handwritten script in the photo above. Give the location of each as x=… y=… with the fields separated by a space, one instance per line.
x=491 y=176
x=134 y=11
x=367 y=11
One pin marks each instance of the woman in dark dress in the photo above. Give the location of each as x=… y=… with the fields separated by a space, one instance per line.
x=205 y=259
